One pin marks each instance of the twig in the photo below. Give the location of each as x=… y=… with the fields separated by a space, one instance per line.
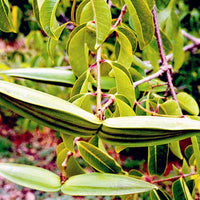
x=73 y=10
x=191 y=37
x=120 y=18
x=174 y=178
x=99 y=94
x=108 y=103
x=64 y=165
x=164 y=62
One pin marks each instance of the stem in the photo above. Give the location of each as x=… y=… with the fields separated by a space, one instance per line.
x=108 y=103
x=119 y=20
x=73 y=10
x=64 y=165
x=190 y=37
x=164 y=63
x=174 y=178
x=99 y=94
x=158 y=37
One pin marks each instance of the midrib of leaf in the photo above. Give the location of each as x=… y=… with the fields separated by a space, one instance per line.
x=87 y=150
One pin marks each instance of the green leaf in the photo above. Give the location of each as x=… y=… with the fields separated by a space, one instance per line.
x=47 y=16
x=86 y=14
x=196 y=149
x=60 y=147
x=98 y=159
x=188 y=103
x=84 y=102
x=176 y=150
x=183 y=191
x=6 y=24
x=68 y=141
x=142 y=20
x=125 y=56
x=73 y=167
x=61 y=156
x=78 y=52
x=123 y=108
x=45 y=75
x=102 y=17
x=102 y=184
x=129 y=33
x=157 y=159
x=81 y=84
x=159 y=195
x=123 y=82
x=81 y=11
x=171 y=107
x=30 y=176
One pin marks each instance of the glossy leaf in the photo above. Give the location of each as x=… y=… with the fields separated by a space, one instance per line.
x=183 y=191
x=30 y=176
x=129 y=33
x=81 y=8
x=188 y=103
x=87 y=13
x=6 y=24
x=176 y=150
x=142 y=20
x=157 y=159
x=103 y=184
x=61 y=156
x=102 y=17
x=125 y=53
x=73 y=167
x=196 y=149
x=68 y=141
x=123 y=108
x=78 y=52
x=171 y=107
x=159 y=195
x=81 y=84
x=98 y=159
x=48 y=20
x=46 y=75
x=123 y=82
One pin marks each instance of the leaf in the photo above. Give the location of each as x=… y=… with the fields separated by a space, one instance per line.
x=171 y=107
x=188 y=103
x=68 y=141
x=197 y=182
x=159 y=195
x=81 y=84
x=123 y=108
x=6 y=24
x=183 y=191
x=125 y=53
x=86 y=14
x=78 y=52
x=176 y=150
x=157 y=159
x=84 y=102
x=47 y=16
x=102 y=184
x=142 y=20
x=129 y=33
x=61 y=156
x=196 y=149
x=30 y=176
x=45 y=75
x=98 y=159
x=83 y=7
x=102 y=17
x=73 y=167
x=123 y=82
